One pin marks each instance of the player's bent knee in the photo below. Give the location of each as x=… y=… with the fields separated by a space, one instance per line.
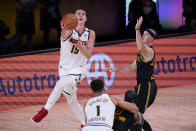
x=65 y=82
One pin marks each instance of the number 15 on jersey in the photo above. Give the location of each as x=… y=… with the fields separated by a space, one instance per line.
x=74 y=49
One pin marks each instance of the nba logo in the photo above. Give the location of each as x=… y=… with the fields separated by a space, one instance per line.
x=96 y=64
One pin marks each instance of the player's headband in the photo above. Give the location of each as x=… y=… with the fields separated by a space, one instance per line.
x=151 y=33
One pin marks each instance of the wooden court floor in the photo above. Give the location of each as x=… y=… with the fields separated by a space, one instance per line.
x=174 y=110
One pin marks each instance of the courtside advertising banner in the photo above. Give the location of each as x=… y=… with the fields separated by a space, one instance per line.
x=28 y=80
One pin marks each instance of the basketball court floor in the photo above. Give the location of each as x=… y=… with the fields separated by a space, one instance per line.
x=173 y=110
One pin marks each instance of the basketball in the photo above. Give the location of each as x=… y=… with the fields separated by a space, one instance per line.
x=70 y=21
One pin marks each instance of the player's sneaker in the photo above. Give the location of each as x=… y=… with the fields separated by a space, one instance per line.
x=81 y=126
x=39 y=116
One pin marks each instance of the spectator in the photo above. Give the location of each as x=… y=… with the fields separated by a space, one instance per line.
x=193 y=22
x=189 y=13
x=150 y=17
x=135 y=12
x=8 y=45
x=147 y=9
x=25 y=20
x=49 y=18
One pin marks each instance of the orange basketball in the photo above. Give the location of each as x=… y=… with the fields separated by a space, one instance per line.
x=70 y=20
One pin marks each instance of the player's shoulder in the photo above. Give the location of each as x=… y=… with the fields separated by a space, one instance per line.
x=150 y=50
x=92 y=32
x=89 y=30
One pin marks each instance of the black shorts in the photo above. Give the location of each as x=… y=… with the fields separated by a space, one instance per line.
x=146 y=92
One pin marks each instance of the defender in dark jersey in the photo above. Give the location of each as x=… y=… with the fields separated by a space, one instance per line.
x=146 y=88
x=124 y=120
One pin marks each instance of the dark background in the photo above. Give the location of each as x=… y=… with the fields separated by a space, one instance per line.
x=105 y=17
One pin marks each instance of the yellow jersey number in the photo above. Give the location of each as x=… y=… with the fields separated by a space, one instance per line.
x=74 y=49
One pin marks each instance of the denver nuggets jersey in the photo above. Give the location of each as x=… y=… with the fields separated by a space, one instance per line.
x=70 y=56
x=100 y=111
x=144 y=69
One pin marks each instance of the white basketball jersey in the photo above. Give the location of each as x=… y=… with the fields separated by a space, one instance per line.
x=70 y=56
x=100 y=111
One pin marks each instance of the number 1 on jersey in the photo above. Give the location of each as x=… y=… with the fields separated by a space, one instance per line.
x=98 y=110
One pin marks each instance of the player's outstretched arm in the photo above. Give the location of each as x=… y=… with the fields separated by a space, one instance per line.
x=88 y=50
x=127 y=68
x=131 y=107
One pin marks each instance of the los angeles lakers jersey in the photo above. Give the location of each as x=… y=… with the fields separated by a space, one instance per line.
x=144 y=69
x=100 y=111
x=70 y=55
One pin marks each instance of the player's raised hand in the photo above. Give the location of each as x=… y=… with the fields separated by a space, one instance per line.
x=65 y=32
x=63 y=26
x=139 y=22
x=110 y=69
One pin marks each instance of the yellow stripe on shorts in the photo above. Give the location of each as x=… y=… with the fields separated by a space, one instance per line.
x=149 y=88
x=138 y=90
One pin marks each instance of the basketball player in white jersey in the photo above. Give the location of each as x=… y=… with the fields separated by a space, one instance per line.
x=99 y=110
x=76 y=48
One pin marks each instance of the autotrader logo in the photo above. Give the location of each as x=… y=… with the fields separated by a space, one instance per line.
x=96 y=64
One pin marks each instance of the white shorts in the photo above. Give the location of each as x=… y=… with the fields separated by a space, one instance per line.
x=76 y=74
x=96 y=128
x=81 y=70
